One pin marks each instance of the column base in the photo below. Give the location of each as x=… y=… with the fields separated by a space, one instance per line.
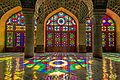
x=40 y=49
x=2 y=49
x=97 y=55
x=82 y=49
x=29 y=51
x=29 y=55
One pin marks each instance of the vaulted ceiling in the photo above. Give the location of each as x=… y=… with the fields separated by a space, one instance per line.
x=6 y=5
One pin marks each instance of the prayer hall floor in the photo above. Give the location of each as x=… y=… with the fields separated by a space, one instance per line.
x=59 y=66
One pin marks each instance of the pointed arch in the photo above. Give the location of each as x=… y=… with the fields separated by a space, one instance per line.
x=67 y=12
x=3 y=20
x=116 y=18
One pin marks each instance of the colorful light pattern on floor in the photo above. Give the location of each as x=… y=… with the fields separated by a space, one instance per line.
x=56 y=65
x=12 y=67
x=47 y=67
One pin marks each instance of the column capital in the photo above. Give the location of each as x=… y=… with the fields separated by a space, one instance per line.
x=99 y=12
x=98 y=4
x=29 y=16
x=28 y=11
x=82 y=24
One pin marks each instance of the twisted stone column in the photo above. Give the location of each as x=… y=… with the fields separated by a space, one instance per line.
x=82 y=37
x=40 y=38
x=29 y=45
x=97 y=33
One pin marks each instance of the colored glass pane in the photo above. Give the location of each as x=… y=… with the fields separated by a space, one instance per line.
x=88 y=25
x=49 y=39
x=103 y=28
x=61 y=19
x=20 y=28
x=10 y=38
x=72 y=39
x=71 y=21
x=50 y=21
x=57 y=28
x=104 y=39
x=17 y=19
x=111 y=39
x=88 y=39
x=88 y=28
x=49 y=28
x=57 y=39
x=64 y=39
x=88 y=32
x=111 y=28
x=19 y=41
x=10 y=27
x=72 y=28
x=107 y=21
x=65 y=28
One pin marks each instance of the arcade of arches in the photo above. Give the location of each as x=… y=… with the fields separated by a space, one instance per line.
x=61 y=31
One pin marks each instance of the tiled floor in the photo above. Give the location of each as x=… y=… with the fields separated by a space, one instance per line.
x=59 y=66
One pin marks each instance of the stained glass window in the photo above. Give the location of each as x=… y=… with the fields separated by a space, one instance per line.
x=63 y=28
x=108 y=32
x=16 y=32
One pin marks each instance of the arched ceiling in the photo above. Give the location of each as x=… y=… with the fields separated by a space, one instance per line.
x=6 y=5
x=114 y=5
x=44 y=7
x=99 y=4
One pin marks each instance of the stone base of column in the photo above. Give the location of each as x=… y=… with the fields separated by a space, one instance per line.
x=40 y=49
x=29 y=55
x=82 y=49
x=2 y=48
x=2 y=70
x=97 y=55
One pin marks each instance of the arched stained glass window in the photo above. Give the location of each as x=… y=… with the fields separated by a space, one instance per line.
x=108 y=34
x=16 y=33
x=61 y=32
